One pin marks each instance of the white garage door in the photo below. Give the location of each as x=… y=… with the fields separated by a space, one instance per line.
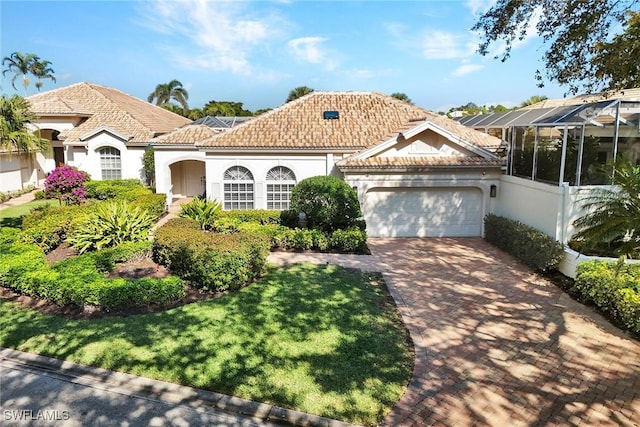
x=423 y=212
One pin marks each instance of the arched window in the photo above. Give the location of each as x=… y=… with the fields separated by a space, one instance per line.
x=238 y=188
x=280 y=182
x=110 y=164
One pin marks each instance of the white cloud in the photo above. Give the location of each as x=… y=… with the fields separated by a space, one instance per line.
x=311 y=50
x=466 y=69
x=220 y=36
x=438 y=44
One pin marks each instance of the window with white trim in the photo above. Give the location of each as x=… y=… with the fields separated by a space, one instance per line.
x=280 y=182
x=110 y=163
x=238 y=188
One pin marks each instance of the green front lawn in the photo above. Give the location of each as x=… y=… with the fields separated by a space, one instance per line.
x=11 y=216
x=318 y=339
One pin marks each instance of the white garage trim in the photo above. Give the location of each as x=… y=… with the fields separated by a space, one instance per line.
x=424 y=211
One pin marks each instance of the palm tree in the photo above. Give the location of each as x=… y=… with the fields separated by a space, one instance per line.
x=533 y=100
x=613 y=218
x=21 y=65
x=298 y=92
x=166 y=92
x=15 y=115
x=42 y=70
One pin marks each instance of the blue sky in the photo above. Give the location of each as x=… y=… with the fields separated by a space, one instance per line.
x=255 y=52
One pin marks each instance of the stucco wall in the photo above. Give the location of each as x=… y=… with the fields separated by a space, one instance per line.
x=303 y=166
x=21 y=170
x=87 y=157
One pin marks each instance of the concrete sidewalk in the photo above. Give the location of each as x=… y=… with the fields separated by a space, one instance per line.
x=20 y=200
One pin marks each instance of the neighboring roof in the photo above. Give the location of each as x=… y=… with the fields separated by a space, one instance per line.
x=364 y=118
x=221 y=122
x=187 y=135
x=595 y=113
x=632 y=94
x=105 y=107
x=418 y=162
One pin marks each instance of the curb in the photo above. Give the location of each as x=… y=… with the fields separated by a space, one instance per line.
x=147 y=388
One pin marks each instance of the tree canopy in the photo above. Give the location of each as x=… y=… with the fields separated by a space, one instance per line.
x=15 y=115
x=584 y=53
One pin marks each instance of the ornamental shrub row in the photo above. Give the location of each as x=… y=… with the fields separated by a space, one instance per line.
x=531 y=246
x=612 y=287
x=80 y=280
x=210 y=261
x=49 y=226
x=260 y=216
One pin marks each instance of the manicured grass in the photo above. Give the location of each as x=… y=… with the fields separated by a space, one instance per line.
x=11 y=216
x=319 y=339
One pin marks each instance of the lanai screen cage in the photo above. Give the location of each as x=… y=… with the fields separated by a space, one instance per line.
x=565 y=144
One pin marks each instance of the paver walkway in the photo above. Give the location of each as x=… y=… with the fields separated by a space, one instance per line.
x=498 y=345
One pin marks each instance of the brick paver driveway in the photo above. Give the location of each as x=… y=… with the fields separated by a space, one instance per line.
x=498 y=345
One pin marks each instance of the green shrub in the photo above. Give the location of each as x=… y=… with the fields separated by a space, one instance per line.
x=79 y=280
x=612 y=287
x=155 y=204
x=211 y=261
x=108 y=189
x=106 y=259
x=112 y=224
x=327 y=202
x=204 y=211
x=529 y=245
x=290 y=218
x=49 y=226
x=39 y=195
x=260 y=216
x=353 y=240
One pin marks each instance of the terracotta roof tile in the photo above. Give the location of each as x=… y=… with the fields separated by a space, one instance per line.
x=187 y=135
x=631 y=94
x=418 y=162
x=107 y=107
x=364 y=118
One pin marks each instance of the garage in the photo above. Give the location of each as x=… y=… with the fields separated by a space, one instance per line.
x=423 y=212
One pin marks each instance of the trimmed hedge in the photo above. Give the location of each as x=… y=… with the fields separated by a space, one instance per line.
x=80 y=280
x=612 y=287
x=260 y=216
x=531 y=246
x=211 y=261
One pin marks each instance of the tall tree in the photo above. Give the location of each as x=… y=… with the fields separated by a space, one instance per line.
x=298 y=92
x=164 y=93
x=21 y=65
x=15 y=115
x=576 y=56
x=41 y=69
x=401 y=97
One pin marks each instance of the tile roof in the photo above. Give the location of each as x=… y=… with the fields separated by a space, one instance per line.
x=105 y=107
x=187 y=135
x=418 y=162
x=365 y=118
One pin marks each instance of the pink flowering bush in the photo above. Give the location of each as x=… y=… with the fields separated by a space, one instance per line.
x=66 y=184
